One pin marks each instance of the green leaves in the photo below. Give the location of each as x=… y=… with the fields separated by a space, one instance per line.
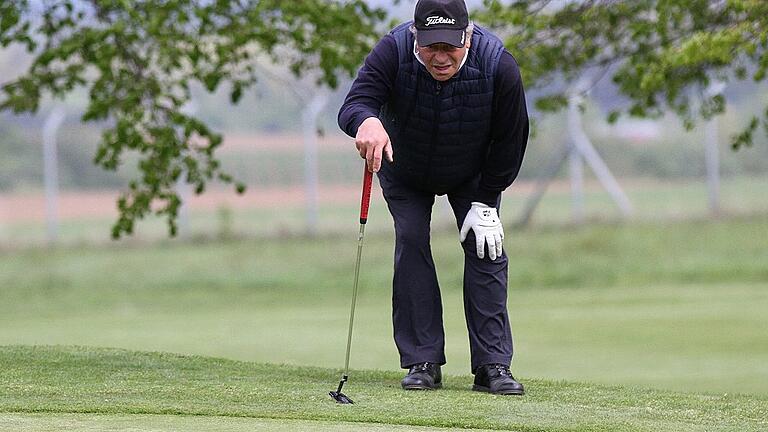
x=138 y=60
x=662 y=54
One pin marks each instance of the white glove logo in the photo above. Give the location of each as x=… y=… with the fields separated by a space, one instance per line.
x=484 y=221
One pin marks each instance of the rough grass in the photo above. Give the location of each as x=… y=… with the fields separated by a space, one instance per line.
x=66 y=380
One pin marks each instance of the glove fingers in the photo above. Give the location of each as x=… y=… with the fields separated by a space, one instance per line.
x=480 y=243
x=498 y=237
x=489 y=239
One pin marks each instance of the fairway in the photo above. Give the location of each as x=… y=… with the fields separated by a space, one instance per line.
x=677 y=306
x=172 y=423
x=52 y=381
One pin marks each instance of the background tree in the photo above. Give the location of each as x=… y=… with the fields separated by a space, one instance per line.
x=138 y=60
x=661 y=54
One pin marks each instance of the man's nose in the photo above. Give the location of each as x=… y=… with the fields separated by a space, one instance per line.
x=441 y=56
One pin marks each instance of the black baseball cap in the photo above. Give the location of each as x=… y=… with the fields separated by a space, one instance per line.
x=441 y=21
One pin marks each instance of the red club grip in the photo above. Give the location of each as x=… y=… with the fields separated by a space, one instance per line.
x=365 y=201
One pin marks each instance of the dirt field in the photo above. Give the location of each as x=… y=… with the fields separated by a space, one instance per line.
x=30 y=206
x=240 y=142
x=16 y=208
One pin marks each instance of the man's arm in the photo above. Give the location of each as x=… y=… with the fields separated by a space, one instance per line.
x=509 y=132
x=359 y=115
x=372 y=86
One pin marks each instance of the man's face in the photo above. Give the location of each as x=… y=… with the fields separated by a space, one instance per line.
x=442 y=60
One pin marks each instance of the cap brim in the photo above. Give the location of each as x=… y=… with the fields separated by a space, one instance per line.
x=448 y=36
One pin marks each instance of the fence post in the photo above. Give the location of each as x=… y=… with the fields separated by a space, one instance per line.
x=711 y=153
x=51 y=173
x=309 y=120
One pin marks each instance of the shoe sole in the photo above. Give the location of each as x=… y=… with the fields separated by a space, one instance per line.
x=421 y=387
x=483 y=389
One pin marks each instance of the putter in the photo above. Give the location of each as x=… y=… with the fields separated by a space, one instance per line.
x=365 y=201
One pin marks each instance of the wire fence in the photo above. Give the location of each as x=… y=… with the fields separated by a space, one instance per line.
x=277 y=202
x=659 y=167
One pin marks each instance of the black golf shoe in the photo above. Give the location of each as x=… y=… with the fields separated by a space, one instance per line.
x=423 y=376
x=496 y=379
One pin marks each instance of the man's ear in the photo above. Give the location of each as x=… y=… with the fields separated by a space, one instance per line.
x=468 y=43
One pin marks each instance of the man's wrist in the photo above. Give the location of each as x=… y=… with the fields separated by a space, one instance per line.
x=488 y=198
x=362 y=120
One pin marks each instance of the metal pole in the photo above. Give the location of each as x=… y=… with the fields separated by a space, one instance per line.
x=575 y=159
x=51 y=172
x=309 y=120
x=590 y=155
x=579 y=150
x=712 y=155
x=712 y=160
x=542 y=183
x=577 y=186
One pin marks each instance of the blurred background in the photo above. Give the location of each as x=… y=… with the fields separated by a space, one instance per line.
x=659 y=166
x=657 y=279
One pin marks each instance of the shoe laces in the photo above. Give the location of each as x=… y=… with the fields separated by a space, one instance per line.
x=503 y=370
x=420 y=367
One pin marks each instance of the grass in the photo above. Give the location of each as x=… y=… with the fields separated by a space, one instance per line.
x=86 y=422
x=676 y=306
x=63 y=381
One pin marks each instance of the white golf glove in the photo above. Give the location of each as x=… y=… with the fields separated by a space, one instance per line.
x=484 y=221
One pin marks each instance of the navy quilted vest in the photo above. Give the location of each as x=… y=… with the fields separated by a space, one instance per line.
x=440 y=131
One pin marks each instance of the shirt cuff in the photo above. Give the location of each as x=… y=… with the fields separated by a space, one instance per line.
x=359 y=120
x=489 y=198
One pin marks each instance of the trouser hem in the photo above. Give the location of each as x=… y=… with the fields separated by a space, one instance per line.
x=491 y=360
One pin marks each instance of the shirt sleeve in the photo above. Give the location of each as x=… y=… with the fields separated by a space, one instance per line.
x=509 y=135
x=372 y=87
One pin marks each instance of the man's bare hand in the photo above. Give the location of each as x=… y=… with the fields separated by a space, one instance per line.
x=372 y=141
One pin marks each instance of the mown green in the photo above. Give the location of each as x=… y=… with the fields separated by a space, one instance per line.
x=678 y=306
x=86 y=380
x=95 y=422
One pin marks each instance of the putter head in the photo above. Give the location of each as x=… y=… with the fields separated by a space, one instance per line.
x=340 y=397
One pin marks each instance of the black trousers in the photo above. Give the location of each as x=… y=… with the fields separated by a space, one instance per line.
x=417 y=311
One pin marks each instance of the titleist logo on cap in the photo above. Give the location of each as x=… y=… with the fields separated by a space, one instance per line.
x=434 y=20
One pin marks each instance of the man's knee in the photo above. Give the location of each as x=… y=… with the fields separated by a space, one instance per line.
x=470 y=251
x=411 y=234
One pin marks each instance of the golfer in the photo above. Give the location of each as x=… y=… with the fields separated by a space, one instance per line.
x=438 y=108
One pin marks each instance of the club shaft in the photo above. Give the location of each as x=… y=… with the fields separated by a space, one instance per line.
x=354 y=296
x=364 y=204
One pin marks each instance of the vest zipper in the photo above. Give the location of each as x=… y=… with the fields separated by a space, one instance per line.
x=435 y=128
